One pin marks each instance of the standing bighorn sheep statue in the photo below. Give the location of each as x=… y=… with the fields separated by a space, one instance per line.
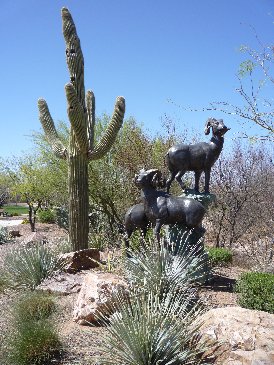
x=199 y=157
x=160 y=208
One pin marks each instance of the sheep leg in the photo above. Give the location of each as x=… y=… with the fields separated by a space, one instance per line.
x=197 y=180
x=157 y=230
x=169 y=181
x=143 y=232
x=127 y=237
x=207 y=179
x=179 y=176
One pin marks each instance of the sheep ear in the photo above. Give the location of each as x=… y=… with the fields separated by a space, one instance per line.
x=208 y=125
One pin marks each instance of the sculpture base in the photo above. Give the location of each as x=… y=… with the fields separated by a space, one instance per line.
x=205 y=199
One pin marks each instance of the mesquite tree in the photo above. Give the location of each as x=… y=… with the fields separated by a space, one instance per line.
x=82 y=147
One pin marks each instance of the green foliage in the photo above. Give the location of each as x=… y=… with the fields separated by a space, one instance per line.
x=15 y=209
x=28 y=267
x=219 y=256
x=61 y=216
x=3 y=282
x=246 y=67
x=34 y=340
x=4 y=235
x=137 y=239
x=46 y=216
x=35 y=344
x=34 y=306
x=256 y=291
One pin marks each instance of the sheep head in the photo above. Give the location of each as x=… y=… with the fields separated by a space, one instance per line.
x=149 y=178
x=217 y=125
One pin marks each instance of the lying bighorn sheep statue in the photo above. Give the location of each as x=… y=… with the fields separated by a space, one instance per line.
x=161 y=208
x=199 y=157
x=135 y=218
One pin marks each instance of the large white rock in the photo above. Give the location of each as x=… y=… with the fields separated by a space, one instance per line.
x=247 y=336
x=94 y=296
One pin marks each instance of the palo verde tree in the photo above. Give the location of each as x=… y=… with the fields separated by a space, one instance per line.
x=82 y=147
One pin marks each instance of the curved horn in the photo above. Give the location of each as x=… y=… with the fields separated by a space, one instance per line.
x=208 y=125
x=156 y=178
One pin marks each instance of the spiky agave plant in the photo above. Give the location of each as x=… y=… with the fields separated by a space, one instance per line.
x=159 y=268
x=148 y=330
x=82 y=147
x=28 y=267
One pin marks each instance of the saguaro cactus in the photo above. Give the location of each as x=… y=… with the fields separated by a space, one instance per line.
x=82 y=147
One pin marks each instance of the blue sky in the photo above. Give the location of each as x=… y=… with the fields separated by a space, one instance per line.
x=149 y=51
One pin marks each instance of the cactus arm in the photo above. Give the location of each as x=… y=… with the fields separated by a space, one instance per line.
x=74 y=56
x=90 y=102
x=49 y=129
x=110 y=134
x=76 y=116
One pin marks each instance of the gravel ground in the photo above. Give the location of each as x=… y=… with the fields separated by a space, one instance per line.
x=81 y=342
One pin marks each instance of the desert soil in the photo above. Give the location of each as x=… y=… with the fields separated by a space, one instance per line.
x=81 y=343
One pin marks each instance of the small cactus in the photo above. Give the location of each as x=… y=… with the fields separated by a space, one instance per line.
x=82 y=148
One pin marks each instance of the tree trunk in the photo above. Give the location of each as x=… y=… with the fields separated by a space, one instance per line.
x=31 y=219
x=78 y=200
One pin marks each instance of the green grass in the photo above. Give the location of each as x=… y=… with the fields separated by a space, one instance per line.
x=34 y=339
x=11 y=209
x=34 y=306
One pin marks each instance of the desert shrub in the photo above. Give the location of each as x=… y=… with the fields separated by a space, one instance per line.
x=4 y=235
x=98 y=240
x=256 y=291
x=34 y=339
x=46 y=216
x=36 y=344
x=61 y=214
x=3 y=282
x=34 y=306
x=28 y=267
x=219 y=256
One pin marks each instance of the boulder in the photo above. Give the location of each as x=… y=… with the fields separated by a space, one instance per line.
x=81 y=260
x=96 y=292
x=63 y=283
x=246 y=336
x=14 y=234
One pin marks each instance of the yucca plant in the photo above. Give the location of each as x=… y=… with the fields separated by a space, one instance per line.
x=148 y=330
x=4 y=235
x=156 y=323
x=28 y=267
x=158 y=268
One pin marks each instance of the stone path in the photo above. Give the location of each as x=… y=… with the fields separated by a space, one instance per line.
x=10 y=222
